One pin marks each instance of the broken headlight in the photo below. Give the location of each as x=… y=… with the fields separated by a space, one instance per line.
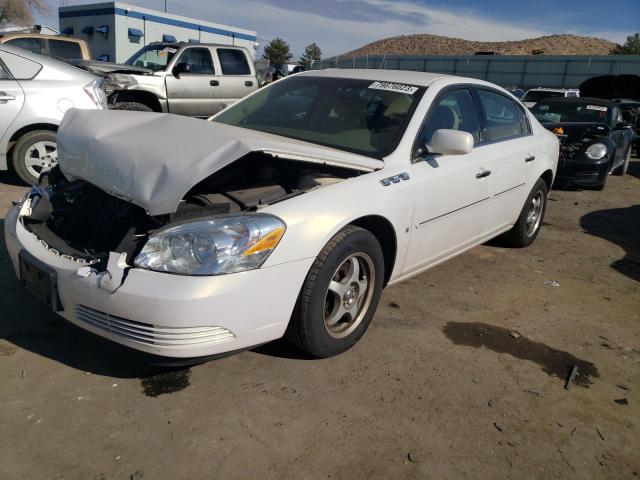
x=215 y=246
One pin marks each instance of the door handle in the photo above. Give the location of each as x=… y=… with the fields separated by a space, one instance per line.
x=214 y=83
x=483 y=173
x=4 y=97
x=248 y=83
x=530 y=158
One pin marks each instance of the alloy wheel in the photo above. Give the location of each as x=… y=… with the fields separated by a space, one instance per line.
x=40 y=157
x=349 y=295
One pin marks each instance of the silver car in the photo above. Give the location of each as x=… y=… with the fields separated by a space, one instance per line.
x=35 y=92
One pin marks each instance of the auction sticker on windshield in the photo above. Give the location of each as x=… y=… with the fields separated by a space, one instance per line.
x=597 y=107
x=394 y=87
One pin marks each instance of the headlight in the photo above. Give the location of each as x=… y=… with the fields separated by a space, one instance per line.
x=225 y=244
x=596 y=151
x=96 y=93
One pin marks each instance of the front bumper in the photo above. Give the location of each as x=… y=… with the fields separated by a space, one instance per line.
x=582 y=173
x=168 y=315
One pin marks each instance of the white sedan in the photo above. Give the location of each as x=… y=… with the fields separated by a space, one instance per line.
x=285 y=215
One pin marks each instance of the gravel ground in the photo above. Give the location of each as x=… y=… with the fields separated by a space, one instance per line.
x=461 y=375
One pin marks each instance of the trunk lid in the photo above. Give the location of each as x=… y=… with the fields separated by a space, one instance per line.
x=153 y=160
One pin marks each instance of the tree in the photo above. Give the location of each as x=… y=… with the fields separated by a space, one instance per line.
x=630 y=47
x=311 y=55
x=278 y=52
x=537 y=51
x=20 y=12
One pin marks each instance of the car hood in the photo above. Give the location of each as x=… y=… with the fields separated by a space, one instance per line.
x=154 y=159
x=105 y=68
x=612 y=86
x=576 y=132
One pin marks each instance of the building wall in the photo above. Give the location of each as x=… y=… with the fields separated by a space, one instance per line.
x=120 y=17
x=528 y=71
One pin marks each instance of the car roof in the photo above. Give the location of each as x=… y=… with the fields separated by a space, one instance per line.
x=10 y=35
x=45 y=61
x=423 y=79
x=192 y=44
x=585 y=100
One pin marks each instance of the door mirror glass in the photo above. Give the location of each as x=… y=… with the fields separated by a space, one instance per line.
x=623 y=125
x=181 y=67
x=450 y=142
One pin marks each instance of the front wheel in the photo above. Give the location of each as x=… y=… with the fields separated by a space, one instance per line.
x=35 y=152
x=339 y=295
x=526 y=228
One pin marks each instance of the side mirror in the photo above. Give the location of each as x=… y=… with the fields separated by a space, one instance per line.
x=623 y=125
x=450 y=142
x=180 y=68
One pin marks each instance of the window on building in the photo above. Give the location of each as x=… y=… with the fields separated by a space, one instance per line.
x=32 y=44
x=65 y=50
x=233 y=62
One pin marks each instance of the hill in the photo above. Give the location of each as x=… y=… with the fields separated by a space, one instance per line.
x=425 y=44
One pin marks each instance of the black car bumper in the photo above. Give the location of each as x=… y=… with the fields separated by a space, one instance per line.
x=582 y=173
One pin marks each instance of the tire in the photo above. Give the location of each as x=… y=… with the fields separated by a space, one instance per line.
x=134 y=106
x=526 y=228
x=624 y=168
x=34 y=153
x=332 y=313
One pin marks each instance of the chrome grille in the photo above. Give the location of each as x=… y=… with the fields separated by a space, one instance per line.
x=187 y=337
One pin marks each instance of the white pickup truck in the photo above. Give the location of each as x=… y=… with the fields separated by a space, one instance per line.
x=197 y=80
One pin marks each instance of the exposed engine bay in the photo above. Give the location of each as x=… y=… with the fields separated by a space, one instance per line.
x=82 y=222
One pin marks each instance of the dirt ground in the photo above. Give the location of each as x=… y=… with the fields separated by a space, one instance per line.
x=461 y=375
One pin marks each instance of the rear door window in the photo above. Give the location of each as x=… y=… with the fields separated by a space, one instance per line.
x=199 y=61
x=502 y=119
x=4 y=75
x=233 y=62
x=34 y=45
x=65 y=50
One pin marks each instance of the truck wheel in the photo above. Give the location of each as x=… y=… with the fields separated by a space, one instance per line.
x=526 y=228
x=135 y=106
x=339 y=295
x=34 y=153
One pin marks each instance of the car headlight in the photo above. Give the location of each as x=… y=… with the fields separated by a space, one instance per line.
x=596 y=151
x=214 y=246
x=96 y=93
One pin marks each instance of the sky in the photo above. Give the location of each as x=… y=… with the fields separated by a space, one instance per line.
x=339 y=26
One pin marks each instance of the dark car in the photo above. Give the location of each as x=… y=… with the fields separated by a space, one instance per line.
x=594 y=139
x=631 y=113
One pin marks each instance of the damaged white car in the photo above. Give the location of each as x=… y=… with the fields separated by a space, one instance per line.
x=285 y=215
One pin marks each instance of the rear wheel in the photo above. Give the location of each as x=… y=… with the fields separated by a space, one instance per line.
x=340 y=294
x=135 y=106
x=35 y=152
x=526 y=228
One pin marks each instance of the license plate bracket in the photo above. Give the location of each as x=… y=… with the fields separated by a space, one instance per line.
x=39 y=279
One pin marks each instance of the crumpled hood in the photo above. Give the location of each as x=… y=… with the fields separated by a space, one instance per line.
x=105 y=68
x=577 y=132
x=154 y=159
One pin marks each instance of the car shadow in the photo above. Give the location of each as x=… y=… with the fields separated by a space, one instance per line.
x=622 y=227
x=28 y=324
x=8 y=177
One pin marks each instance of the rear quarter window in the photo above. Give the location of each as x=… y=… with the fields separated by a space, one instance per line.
x=21 y=68
x=65 y=50
x=233 y=62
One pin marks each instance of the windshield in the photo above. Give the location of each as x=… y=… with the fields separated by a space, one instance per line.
x=550 y=112
x=358 y=116
x=154 y=57
x=537 y=95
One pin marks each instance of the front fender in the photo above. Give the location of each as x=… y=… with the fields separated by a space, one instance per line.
x=313 y=218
